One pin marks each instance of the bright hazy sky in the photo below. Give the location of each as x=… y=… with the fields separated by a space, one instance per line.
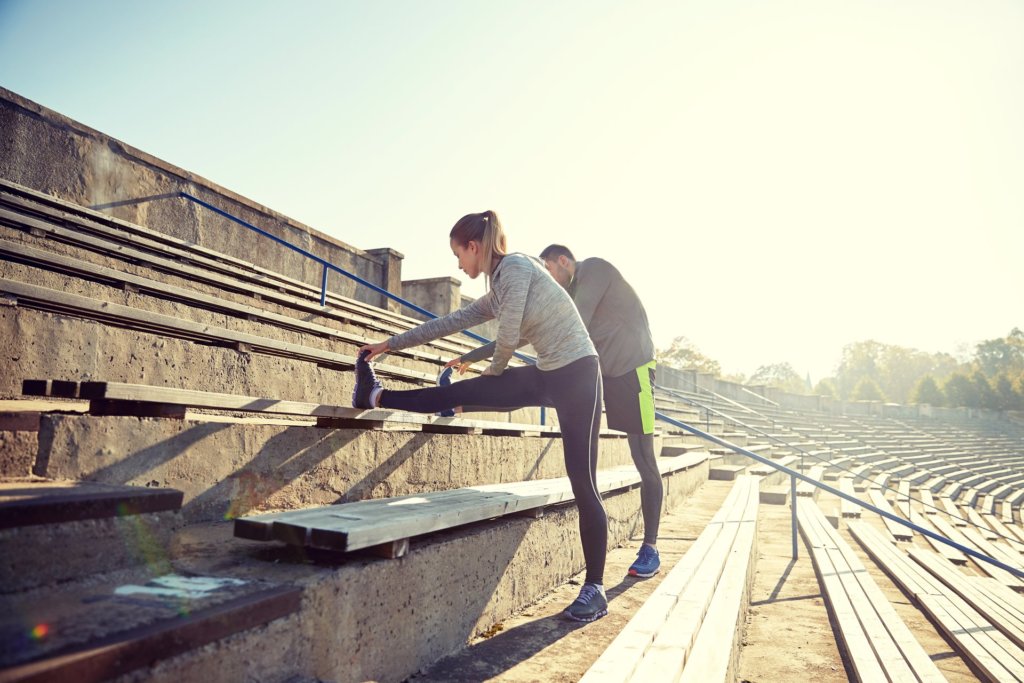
x=775 y=179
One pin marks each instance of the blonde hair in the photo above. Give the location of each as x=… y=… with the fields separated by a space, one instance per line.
x=486 y=229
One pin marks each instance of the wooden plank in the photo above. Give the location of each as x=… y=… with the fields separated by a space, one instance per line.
x=346 y=416
x=21 y=421
x=860 y=653
x=927 y=501
x=956 y=619
x=952 y=510
x=806 y=489
x=1007 y=619
x=50 y=388
x=895 y=529
x=970 y=631
x=362 y=524
x=674 y=640
x=27 y=503
x=715 y=652
x=903 y=490
x=947 y=551
x=848 y=509
x=619 y=661
x=1003 y=576
x=912 y=579
x=913 y=662
x=1006 y=534
x=111 y=656
x=974 y=518
x=1006 y=512
x=106 y=407
x=725 y=472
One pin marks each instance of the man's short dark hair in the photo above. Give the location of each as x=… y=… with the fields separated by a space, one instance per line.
x=553 y=251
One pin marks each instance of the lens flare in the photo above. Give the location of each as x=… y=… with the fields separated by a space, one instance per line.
x=39 y=631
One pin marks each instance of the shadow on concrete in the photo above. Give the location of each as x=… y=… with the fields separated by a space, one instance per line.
x=133 y=466
x=284 y=458
x=375 y=484
x=133 y=202
x=781 y=582
x=540 y=458
x=509 y=648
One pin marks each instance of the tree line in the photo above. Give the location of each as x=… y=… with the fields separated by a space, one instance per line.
x=992 y=376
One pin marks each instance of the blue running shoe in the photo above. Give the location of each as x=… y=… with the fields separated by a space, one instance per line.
x=591 y=605
x=444 y=379
x=647 y=562
x=366 y=382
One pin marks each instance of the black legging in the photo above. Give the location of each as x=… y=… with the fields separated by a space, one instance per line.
x=575 y=393
x=641 y=447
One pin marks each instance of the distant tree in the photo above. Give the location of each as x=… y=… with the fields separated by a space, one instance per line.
x=1008 y=398
x=1005 y=355
x=859 y=361
x=987 y=397
x=895 y=369
x=960 y=391
x=826 y=387
x=683 y=355
x=781 y=376
x=927 y=391
x=868 y=390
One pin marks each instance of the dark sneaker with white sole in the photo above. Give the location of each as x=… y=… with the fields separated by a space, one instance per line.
x=591 y=604
x=647 y=563
x=366 y=382
x=445 y=379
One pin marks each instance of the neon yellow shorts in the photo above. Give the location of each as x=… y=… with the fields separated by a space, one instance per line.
x=629 y=400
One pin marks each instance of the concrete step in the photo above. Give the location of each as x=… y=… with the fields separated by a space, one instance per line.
x=55 y=531
x=364 y=618
x=102 y=627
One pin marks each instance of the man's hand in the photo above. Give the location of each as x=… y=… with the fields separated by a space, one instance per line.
x=460 y=365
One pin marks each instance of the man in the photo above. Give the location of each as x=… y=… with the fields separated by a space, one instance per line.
x=618 y=326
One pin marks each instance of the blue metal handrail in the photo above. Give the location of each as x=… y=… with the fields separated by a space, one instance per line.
x=794 y=475
x=328 y=266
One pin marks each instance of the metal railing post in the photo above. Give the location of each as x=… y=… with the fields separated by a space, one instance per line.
x=792 y=496
x=323 y=287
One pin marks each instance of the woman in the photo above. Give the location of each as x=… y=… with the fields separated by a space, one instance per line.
x=530 y=308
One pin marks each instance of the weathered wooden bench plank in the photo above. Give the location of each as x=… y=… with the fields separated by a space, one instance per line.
x=665 y=627
x=33 y=502
x=979 y=641
x=368 y=523
x=947 y=551
x=855 y=638
x=158 y=622
x=1004 y=617
x=807 y=489
x=895 y=529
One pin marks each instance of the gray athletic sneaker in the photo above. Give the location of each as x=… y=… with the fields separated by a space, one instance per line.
x=590 y=605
